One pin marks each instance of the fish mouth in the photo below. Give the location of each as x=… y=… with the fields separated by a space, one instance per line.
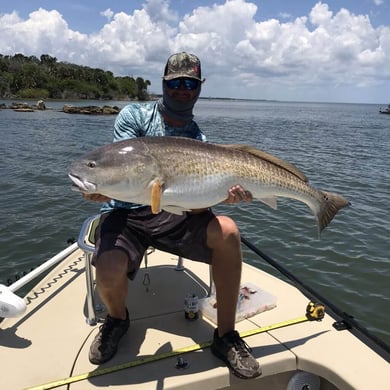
x=81 y=185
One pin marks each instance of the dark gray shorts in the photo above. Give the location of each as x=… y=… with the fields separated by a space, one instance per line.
x=134 y=230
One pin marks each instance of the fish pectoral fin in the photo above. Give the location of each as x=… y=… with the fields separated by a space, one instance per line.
x=175 y=210
x=271 y=202
x=156 y=196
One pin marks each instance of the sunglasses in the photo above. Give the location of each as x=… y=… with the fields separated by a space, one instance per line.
x=189 y=84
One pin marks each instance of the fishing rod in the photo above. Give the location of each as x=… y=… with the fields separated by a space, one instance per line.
x=347 y=321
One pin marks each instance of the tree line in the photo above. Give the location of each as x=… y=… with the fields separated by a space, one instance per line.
x=46 y=78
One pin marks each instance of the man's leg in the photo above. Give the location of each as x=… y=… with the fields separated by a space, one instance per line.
x=112 y=281
x=223 y=238
x=112 y=285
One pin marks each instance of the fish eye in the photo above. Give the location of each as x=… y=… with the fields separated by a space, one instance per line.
x=91 y=164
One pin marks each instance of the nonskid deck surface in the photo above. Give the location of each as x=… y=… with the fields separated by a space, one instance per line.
x=52 y=340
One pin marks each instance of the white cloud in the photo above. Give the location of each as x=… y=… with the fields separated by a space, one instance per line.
x=159 y=11
x=108 y=14
x=284 y=15
x=43 y=32
x=325 y=49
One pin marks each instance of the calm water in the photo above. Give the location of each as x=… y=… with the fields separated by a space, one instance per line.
x=341 y=147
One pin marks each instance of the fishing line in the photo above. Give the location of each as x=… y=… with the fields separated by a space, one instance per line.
x=162 y=356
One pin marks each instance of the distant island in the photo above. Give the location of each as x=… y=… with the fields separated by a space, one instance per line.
x=23 y=77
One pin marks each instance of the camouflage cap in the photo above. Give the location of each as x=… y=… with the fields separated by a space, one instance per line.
x=182 y=65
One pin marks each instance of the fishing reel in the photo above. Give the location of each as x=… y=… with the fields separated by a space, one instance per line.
x=315 y=311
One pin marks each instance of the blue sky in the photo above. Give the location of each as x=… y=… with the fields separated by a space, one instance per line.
x=335 y=50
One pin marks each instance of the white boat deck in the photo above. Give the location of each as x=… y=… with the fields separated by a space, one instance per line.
x=51 y=341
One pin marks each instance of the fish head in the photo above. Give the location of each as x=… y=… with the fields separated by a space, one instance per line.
x=122 y=170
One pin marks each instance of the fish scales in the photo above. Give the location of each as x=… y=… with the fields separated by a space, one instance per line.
x=228 y=167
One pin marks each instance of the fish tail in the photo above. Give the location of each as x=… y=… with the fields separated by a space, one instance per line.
x=330 y=205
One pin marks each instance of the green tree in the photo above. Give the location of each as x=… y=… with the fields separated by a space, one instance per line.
x=22 y=76
x=5 y=84
x=142 y=87
x=49 y=62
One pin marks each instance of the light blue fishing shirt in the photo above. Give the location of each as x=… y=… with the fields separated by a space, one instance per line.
x=145 y=120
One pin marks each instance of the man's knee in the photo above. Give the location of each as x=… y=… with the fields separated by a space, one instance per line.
x=111 y=263
x=222 y=229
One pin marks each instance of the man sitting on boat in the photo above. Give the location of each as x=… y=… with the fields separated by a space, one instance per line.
x=127 y=230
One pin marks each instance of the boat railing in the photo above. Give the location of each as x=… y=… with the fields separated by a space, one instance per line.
x=11 y=305
x=42 y=268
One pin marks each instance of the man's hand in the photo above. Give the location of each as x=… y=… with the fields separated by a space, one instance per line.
x=237 y=194
x=96 y=197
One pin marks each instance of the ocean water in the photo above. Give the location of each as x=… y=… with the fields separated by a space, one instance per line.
x=343 y=148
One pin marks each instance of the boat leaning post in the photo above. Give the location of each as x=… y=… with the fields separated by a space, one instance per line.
x=86 y=243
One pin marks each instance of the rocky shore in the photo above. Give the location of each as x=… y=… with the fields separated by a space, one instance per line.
x=24 y=107
x=91 y=110
x=68 y=109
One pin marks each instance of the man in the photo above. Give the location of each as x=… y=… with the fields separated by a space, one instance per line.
x=127 y=230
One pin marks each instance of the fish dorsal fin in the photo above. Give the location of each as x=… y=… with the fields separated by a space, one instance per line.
x=270 y=158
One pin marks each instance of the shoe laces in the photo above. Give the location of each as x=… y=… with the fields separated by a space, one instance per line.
x=237 y=342
x=107 y=327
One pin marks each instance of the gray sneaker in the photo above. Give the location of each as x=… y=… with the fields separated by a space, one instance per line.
x=105 y=344
x=233 y=350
